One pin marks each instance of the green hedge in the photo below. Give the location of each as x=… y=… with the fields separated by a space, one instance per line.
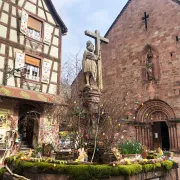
x=168 y=164
x=151 y=167
x=2 y=171
x=84 y=172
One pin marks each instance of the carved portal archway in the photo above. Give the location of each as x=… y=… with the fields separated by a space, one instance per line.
x=148 y=114
x=155 y=110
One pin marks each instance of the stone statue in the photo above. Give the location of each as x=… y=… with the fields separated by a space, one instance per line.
x=149 y=65
x=95 y=58
x=89 y=65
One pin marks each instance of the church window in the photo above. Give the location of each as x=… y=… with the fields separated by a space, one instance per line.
x=32 y=65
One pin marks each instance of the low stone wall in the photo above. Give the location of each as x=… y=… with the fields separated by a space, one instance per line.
x=158 y=175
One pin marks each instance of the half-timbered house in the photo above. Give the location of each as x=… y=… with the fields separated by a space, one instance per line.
x=30 y=68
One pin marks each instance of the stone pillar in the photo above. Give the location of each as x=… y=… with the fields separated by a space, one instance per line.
x=91 y=99
x=148 y=138
x=137 y=133
x=143 y=136
x=151 y=138
x=175 y=136
x=171 y=137
x=177 y=130
x=141 y=141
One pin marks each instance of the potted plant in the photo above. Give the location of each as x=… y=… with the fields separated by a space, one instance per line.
x=144 y=152
x=130 y=148
x=39 y=150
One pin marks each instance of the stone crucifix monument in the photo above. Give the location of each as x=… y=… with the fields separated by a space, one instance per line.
x=92 y=70
x=92 y=62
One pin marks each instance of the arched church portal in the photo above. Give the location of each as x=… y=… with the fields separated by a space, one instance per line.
x=155 y=125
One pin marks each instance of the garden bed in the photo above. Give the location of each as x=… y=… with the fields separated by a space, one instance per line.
x=55 y=171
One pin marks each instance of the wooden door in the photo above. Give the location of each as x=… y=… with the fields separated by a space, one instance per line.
x=157 y=138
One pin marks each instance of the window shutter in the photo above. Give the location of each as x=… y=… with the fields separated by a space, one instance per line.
x=24 y=22
x=19 y=63
x=46 y=69
x=34 y=24
x=32 y=61
x=47 y=33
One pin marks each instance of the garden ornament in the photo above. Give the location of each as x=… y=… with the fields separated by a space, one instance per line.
x=116 y=153
x=82 y=155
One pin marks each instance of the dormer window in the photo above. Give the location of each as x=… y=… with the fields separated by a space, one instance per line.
x=34 y=29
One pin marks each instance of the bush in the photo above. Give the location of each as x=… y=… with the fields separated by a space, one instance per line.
x=100 y=171
x=129 y=169
x=130 y=147
x=80 y=172
x=152 y=156
x=167 y=165
x=39 y=148
x=2 y=171
x=151 y=167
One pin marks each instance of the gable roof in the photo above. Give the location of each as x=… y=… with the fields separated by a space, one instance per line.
x=56 y=16
x=124 y=8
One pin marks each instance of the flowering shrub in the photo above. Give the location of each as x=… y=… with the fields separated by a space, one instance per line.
x=130 y=147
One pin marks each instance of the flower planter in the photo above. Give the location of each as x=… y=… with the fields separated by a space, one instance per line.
x=144 y=155
x=169 y=154
x=164 y=170
x=129 y=156
x=33 y=174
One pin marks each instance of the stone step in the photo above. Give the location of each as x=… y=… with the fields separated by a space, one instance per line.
x=24 y=146
x=24 y=143
x=25 y=149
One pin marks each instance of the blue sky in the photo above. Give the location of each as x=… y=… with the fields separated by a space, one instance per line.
x=81 y=15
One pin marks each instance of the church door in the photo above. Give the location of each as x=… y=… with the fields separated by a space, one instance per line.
x=161 y=135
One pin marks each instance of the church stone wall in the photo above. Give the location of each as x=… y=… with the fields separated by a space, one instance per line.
x=122 y=57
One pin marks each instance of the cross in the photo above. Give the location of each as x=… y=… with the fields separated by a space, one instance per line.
x=98 y=39
x=145 y=18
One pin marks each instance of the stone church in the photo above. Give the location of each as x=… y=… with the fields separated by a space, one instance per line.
x=142 y=60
